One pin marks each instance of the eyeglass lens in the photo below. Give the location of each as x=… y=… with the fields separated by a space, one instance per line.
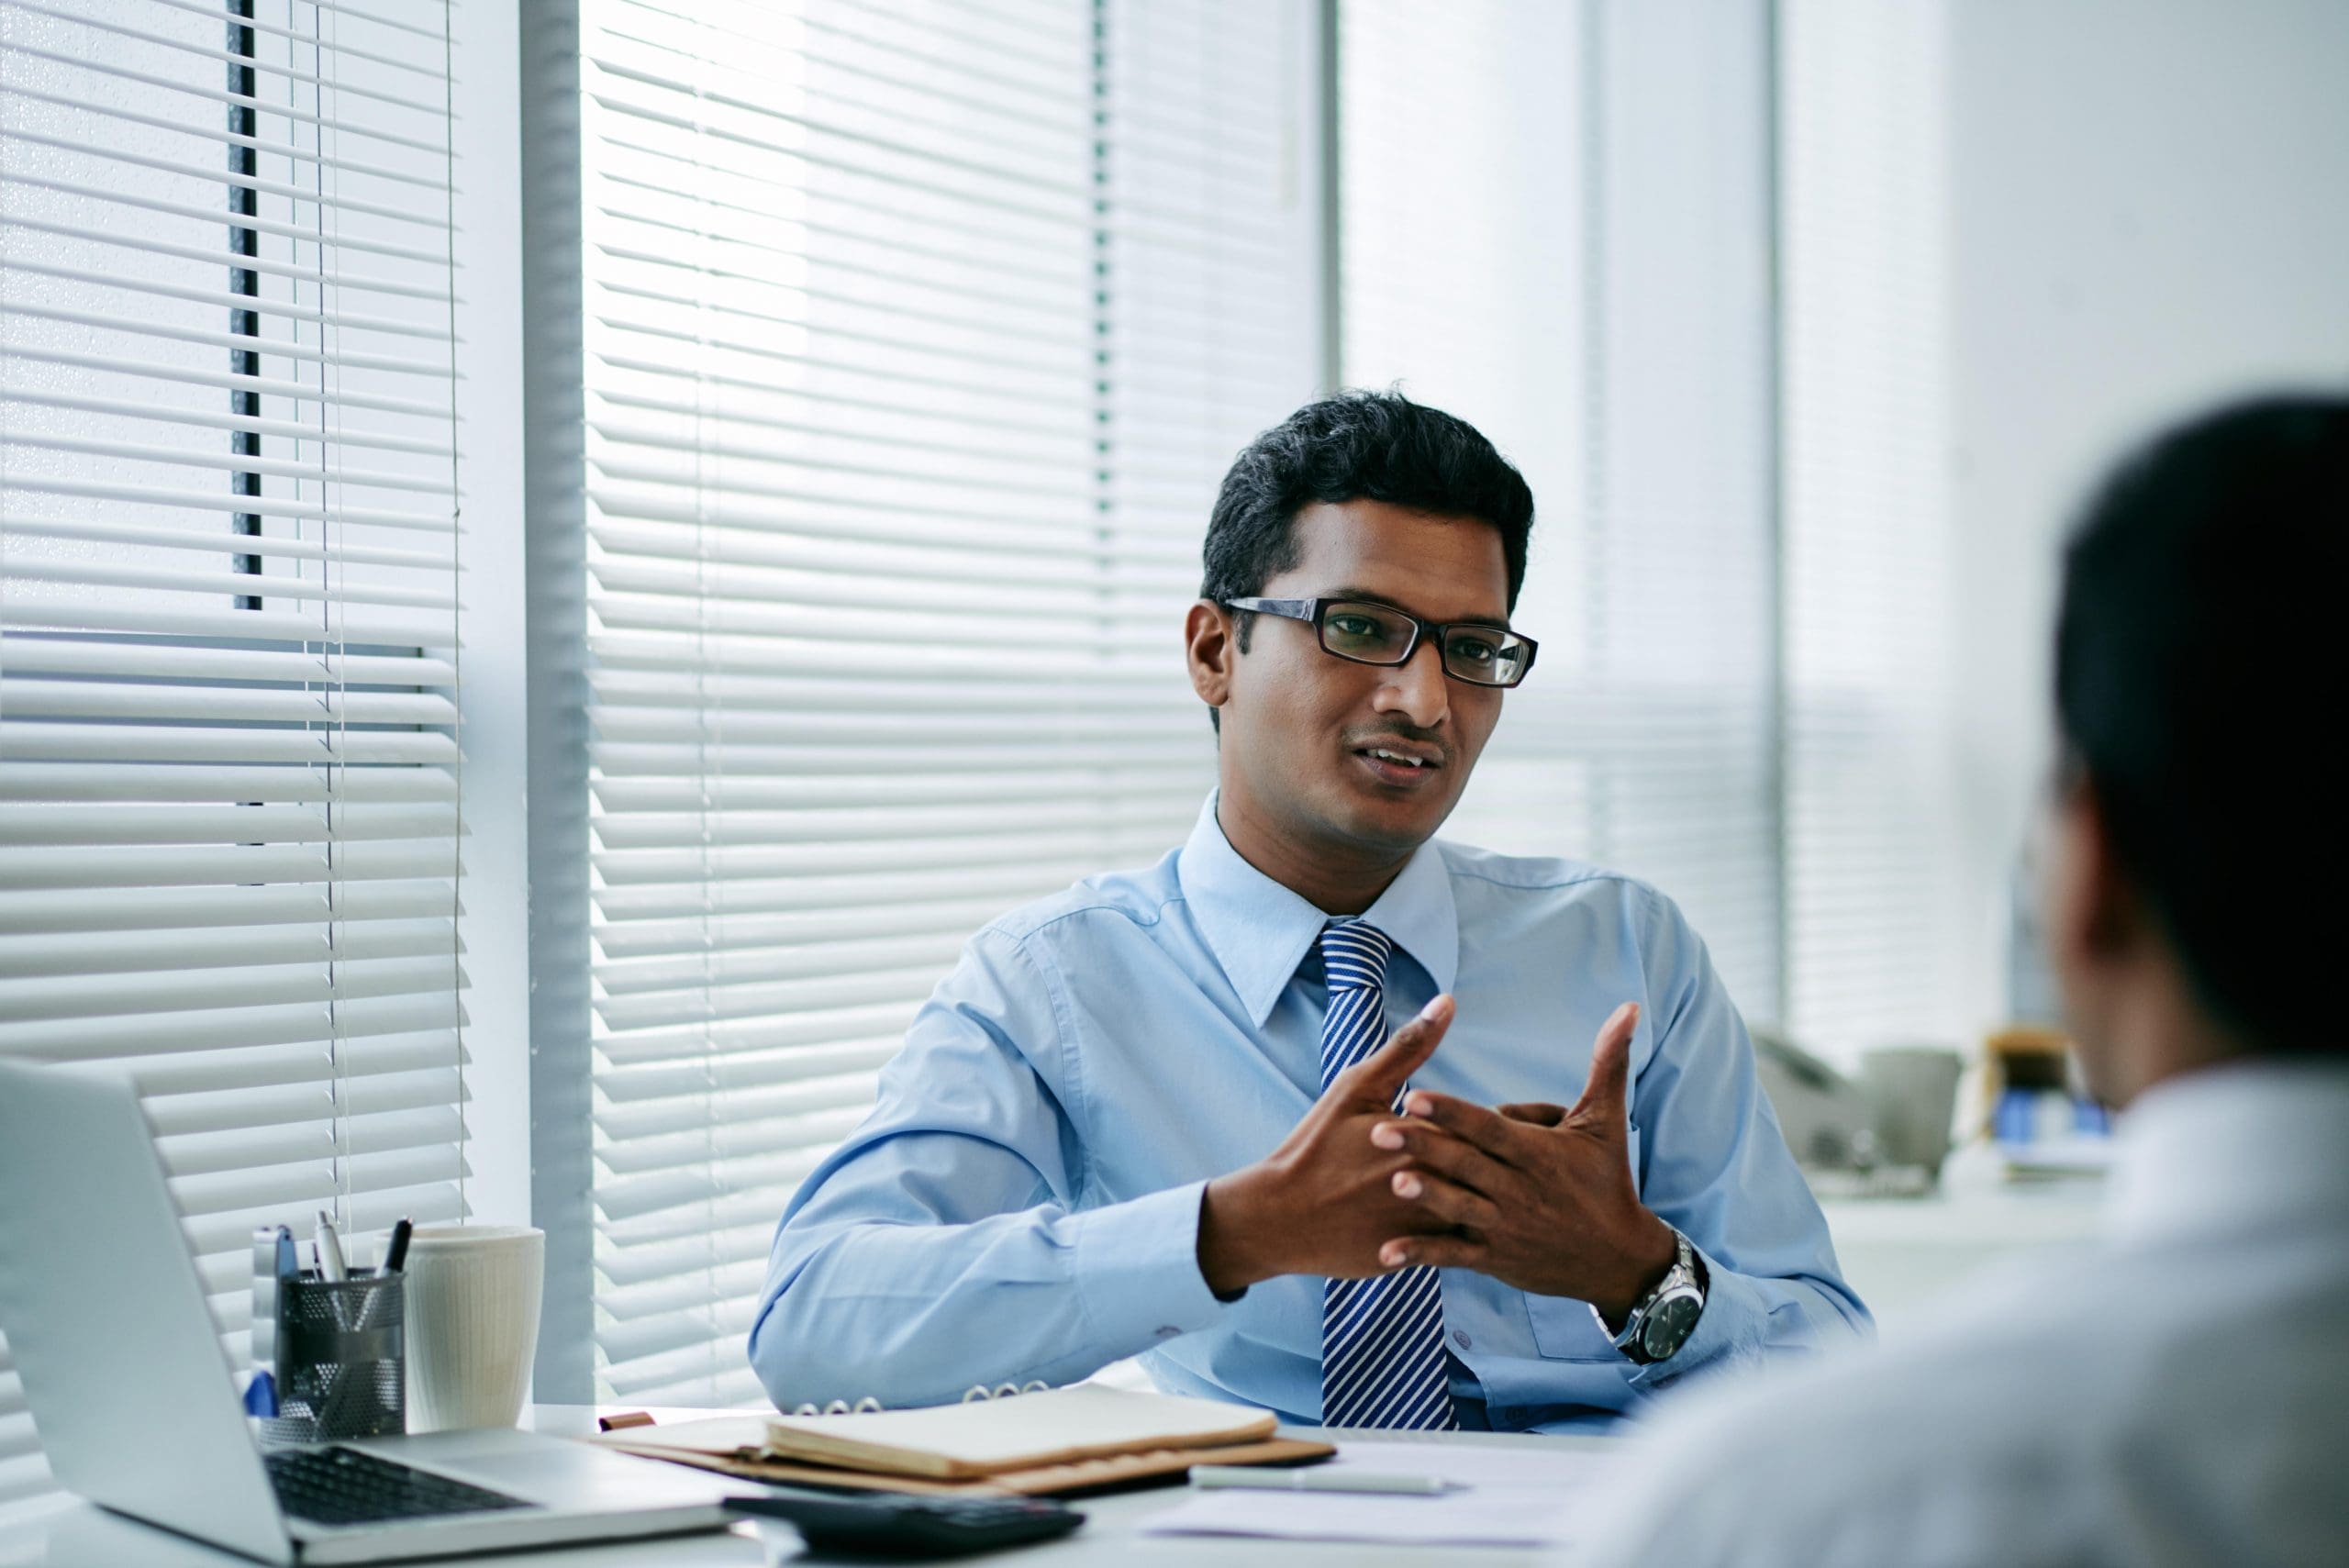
x=1376 y=634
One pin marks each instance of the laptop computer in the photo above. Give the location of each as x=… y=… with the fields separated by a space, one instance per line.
x=135 y=1401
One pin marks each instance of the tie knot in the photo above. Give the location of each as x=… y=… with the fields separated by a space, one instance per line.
x=1354 y=955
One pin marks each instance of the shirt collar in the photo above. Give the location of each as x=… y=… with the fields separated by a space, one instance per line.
x=1261 y=931
x=2214 y=1148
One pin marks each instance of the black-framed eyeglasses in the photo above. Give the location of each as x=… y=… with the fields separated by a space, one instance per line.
x=1368 y=633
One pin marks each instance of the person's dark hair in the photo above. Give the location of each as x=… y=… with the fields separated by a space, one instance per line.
x=2201 y=677
x=1377 y=446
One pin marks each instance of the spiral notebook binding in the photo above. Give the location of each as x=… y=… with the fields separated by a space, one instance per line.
x=976 y=1392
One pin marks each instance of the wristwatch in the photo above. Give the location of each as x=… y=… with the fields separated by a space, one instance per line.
x=1661 y=1321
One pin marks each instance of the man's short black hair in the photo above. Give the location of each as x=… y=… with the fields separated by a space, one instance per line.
x=1376 y=446
x=2201 y=679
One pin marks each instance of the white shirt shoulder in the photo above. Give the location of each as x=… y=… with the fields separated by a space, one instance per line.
x=2177 y=1395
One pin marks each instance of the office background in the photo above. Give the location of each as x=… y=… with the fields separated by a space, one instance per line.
x=736 y=471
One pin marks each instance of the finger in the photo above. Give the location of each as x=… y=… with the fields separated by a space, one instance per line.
x=1536 y=1113
x=1382 y=1077
x=1486 y=1129
x=1434 y=1253
x=1447 y=1200
x=1604 y=1097
x=1446 y=1155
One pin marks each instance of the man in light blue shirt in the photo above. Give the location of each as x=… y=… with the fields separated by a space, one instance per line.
x=1144 y=1117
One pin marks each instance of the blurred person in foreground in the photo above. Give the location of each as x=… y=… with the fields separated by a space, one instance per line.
x=1157 y=1113
x=2178 y=1392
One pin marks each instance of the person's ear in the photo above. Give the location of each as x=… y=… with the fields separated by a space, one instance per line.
x=2092 y=912
x=1210 y=649
x=2104 y=944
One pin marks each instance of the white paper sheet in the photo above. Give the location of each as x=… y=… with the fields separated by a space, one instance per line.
x=1514 y=1497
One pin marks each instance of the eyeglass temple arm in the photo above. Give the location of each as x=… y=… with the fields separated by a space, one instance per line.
x=1293 y=609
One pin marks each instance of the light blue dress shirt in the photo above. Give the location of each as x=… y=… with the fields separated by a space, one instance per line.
x=1023 y=1202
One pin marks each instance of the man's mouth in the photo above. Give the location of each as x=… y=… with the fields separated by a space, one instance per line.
x=1401 y=762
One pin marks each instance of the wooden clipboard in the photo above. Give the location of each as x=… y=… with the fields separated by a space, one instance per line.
x=1156 y=1467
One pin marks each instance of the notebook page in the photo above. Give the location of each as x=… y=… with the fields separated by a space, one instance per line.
x=1016 y=1432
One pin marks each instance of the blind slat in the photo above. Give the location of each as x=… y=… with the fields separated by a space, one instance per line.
x=349 y=435
x=83 y=191
x=118 y=823
x=273 y=546
x=239 y=1070
x=104 y=1037
x=21 y=654
x=49 y=997
x=435 y=1088
x=170 y=908
x=325 y=742
x=360 y=628
x=87 y=953
x=324 y=468
x=340 y=1133
x=40 y=699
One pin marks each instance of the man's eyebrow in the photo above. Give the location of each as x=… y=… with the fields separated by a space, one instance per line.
x=1367 y=597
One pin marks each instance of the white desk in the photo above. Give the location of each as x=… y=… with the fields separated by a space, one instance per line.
x=76 y=1535
x=1905 y=1255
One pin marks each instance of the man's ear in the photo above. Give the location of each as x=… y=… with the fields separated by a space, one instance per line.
x=1210 y=649
x=2093 y=915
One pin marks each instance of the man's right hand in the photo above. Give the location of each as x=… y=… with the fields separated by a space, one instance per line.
x=1324 y=1201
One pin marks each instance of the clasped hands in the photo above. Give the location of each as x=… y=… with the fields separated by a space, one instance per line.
x=1539 y=1197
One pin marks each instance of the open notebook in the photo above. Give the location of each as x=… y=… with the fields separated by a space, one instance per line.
x=1055 y=1440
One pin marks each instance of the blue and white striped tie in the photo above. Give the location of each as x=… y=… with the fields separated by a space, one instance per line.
x=1382 y=1339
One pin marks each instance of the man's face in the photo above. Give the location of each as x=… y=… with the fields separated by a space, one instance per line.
x=1302 y=729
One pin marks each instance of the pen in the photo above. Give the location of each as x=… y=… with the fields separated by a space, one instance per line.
x=330 y=1266
x=395 y=1250
x=1250 y=1478
x=289 y=1261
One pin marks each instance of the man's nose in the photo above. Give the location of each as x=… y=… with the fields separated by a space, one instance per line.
x=1417 y=688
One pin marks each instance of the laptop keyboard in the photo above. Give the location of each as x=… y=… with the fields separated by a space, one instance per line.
x=344 y=1486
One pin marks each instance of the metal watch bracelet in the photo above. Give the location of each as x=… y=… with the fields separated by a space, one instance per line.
x=1661 y=1321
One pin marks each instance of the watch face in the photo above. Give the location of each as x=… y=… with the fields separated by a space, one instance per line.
x=1669 y=1325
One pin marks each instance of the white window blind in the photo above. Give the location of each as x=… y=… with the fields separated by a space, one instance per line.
x=228 y=620
x=1554 y=223
x=916 y=337
x=1874 y=926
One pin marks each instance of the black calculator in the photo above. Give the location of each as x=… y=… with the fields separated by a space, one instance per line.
x=896 y=1524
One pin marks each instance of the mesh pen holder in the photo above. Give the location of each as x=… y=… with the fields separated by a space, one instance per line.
x=339 y=1359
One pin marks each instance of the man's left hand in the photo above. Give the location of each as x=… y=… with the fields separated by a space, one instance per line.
x=1539 y=1197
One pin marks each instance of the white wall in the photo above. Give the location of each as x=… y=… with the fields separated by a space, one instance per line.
x=2151 y=211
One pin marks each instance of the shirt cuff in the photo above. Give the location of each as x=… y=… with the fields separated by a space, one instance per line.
x=1137 y=1268
x=1735 y=1325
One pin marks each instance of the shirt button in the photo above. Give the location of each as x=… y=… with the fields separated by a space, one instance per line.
x=1460 y=1337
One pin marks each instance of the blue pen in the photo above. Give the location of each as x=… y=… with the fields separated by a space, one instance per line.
x=260 y=1394
x=289 y=1263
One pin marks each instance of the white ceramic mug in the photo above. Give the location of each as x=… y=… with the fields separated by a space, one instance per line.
x=472 y=1323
